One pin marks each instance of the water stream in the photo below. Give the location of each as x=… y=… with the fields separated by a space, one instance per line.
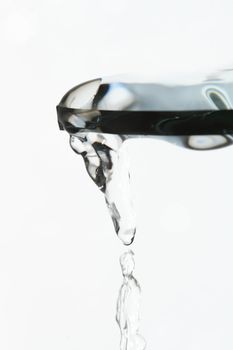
x=128 y=306
x=107 y=165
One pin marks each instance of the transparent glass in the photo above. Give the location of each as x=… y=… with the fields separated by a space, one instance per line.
x=188 y=293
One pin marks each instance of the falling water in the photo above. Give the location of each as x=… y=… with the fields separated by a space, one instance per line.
x=107 y=165
x=128 y=306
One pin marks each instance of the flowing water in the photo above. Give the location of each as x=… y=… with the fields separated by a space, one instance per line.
x=107 y=165
x=128 y=306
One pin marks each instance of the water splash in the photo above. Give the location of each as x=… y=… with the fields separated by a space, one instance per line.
x=128 y=306
x=107 y=165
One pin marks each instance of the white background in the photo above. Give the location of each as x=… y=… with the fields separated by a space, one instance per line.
x=59 y=269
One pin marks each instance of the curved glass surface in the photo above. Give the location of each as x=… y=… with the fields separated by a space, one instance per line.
x=178 y=106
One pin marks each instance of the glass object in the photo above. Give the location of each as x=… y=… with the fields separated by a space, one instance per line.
x=130 y=106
